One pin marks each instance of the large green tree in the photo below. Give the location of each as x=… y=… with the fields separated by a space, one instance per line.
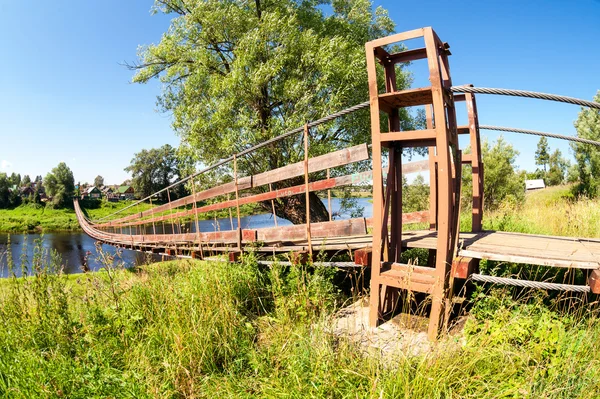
x=60 y=185
x=557 y=169
x=542 y=154
x=587 y=155
x=236 y=73
x=154 y=169
x=5 y=200
x=99 y=181
x=501 y=180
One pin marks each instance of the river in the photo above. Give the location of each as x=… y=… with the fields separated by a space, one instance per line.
x=77 y=249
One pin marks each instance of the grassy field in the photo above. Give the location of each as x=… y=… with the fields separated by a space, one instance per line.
x=196 y=329
x=38 y=218
x=552 y=211
x=31 y=218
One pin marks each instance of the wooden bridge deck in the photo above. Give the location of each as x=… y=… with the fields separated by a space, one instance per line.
x=568 y=252
x=351 y=235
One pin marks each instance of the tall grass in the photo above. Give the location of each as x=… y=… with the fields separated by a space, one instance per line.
x=551 y=211
x=200 y=329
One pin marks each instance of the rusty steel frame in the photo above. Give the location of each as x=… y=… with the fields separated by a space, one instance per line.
x=388 y=274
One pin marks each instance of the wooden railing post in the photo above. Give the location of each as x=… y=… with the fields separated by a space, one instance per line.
x=230 y=214
x=273 y=205
x=308 y=237
x=153 y=225
x=329 y=197
x=196 y=212
x=171 y=212
x=237 y=203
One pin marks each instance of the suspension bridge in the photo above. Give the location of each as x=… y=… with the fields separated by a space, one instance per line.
x=379 y=241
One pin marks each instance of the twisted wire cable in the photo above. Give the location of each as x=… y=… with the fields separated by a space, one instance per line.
x=525 y=93
x=529 y=284
x=536 y=133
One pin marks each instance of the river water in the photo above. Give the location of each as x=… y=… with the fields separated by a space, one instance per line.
x=78 y=249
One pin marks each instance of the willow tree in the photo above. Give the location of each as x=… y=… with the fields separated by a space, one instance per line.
x=236 y=73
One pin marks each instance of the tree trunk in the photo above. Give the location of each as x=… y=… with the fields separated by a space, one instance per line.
x=294 y=208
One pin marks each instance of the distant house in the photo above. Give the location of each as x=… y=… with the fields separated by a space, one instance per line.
x=107 y=190
x=41 y=188
x=126 y=192
x=26 y=191
x=92 y=192
x=536 y=184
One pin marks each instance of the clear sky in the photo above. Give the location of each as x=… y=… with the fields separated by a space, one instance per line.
x=65 y=97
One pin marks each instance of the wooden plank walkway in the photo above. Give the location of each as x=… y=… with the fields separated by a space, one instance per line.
x=569 y=252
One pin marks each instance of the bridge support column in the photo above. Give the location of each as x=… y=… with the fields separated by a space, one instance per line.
x=389 y=276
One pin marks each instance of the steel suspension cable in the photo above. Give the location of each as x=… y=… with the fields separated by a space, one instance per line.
x=536 y=133
x=525 y=93
x=528 y=283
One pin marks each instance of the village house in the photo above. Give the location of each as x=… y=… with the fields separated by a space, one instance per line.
x=92 y=193
x=126 y=192
x=26 y=191
x=536 y=184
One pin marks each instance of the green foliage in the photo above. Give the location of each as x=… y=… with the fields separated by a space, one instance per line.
x=99 y=181
x=33 y=217
x=502 y=182
x=557 y=169
x=60 y=185
x=415 y=196
x=587 y=155
x=154 y=169
x=238 y=73
x=538 y=174
x=4 y=191
x=542 y=154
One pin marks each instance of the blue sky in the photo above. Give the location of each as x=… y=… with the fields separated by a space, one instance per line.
x=65 y=97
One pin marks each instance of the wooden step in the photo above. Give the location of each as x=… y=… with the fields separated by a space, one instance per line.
x=405 y=98
x=408 y=277
x=410 y=138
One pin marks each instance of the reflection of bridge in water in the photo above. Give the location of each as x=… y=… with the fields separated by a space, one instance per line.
x=375 y=242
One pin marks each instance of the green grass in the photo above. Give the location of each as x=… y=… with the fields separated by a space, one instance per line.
x=40 y=218
x=552 y=211
x=30 y=218
x=199 y=329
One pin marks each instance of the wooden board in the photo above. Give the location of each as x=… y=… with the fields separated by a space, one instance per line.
x=327 y=161
x=336 y=228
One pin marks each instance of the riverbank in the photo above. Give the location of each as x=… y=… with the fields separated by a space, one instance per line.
x=200 y=329
x=35 y=218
